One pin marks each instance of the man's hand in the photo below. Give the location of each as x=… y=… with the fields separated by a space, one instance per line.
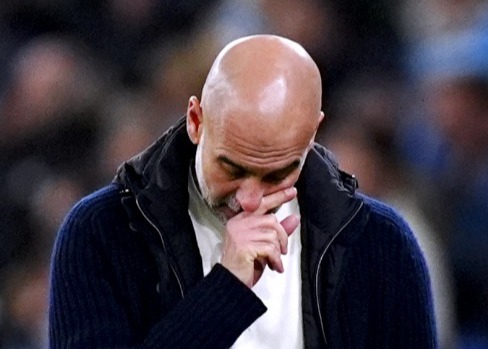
x=256 y=239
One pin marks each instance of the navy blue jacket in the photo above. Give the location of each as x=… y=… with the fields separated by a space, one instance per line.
x=127 y=272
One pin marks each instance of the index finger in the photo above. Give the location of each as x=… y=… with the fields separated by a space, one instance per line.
x=274 y=200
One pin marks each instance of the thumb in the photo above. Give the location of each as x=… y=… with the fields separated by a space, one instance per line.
x=290 y=223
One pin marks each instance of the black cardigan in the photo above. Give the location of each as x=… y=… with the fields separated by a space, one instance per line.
x=126 y=270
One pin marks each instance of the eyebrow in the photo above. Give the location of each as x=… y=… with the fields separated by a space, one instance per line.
x=284 y=170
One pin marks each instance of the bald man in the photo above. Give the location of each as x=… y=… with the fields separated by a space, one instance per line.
x=235 y=229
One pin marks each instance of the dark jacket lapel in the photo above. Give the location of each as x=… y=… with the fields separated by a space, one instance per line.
x=160 y=186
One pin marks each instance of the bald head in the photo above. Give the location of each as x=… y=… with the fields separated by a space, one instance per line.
x=265 y=77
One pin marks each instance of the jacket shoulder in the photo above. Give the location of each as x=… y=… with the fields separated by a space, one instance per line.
x=385 y=216
x=387 y=233
x=388 y=239
x=97 y=213
x=96 y=203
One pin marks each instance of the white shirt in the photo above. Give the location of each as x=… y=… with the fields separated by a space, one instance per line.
x=281 y=325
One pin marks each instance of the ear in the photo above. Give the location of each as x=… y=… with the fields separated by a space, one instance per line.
x=194 y=120
x=321 y=118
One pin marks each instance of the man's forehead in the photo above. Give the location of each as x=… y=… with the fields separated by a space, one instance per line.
x=250 y=125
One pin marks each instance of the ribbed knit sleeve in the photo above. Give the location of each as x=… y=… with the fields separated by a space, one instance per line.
x=388 y=283
x=414 y=312
x=99 y=280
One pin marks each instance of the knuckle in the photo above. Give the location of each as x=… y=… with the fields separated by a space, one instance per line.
x=271 y=219
x=270 y=248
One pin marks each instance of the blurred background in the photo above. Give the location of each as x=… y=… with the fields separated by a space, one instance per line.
x=85 y=85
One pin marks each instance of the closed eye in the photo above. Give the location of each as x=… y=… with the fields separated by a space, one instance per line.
x=274 y=178
x=236 y=171
x=232 y=170
x=280 y=175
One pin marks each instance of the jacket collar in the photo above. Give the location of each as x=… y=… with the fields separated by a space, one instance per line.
x=327 y=195
x=158 y=177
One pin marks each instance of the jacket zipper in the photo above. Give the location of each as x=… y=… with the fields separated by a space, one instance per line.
x=317 y=298
x=164 y=247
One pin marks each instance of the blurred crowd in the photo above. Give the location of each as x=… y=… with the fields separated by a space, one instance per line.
x=84 y=85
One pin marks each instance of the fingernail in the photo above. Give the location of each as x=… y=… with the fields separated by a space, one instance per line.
x=291 y=191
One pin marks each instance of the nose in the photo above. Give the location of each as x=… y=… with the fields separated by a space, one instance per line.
x=249 y=194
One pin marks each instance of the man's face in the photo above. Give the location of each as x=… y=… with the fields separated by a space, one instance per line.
x=235 y=168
